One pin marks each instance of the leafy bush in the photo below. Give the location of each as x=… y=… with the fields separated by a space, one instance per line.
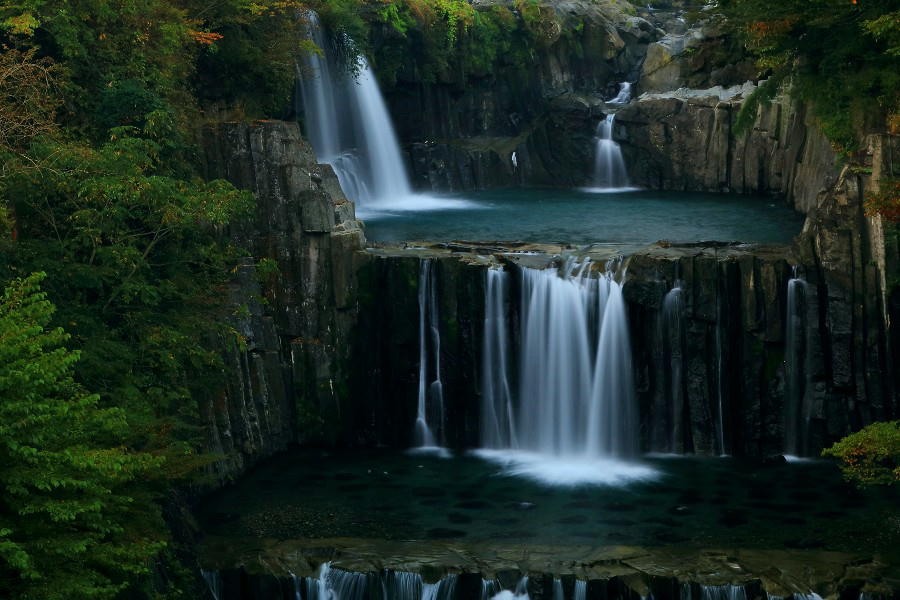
x=870 y=456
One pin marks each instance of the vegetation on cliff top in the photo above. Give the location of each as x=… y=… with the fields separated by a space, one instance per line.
x=871 y=456
x=841 y=55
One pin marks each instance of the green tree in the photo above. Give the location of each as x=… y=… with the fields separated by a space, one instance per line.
x=871 y=456
x=70 y=522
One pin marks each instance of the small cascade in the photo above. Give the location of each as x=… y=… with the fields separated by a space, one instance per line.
x=558 y=593
x=624 y=95
x=442 y=590
x=349 y=126
x=580 y=590
x=497 y=420
x=431 y=395
x=336 y=584
x=673 y=337
x=720 y=374
x=402 y=585
x=213 y=581
x=797 y=415
x=609 y=166
x=723 y=592
x=489 y=589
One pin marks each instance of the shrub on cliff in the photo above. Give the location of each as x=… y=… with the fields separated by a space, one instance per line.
x=841 y=55
x=870 y=456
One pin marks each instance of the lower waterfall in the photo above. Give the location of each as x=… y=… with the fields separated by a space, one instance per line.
x=431 y=389
x=575 y=410
x=797 y=385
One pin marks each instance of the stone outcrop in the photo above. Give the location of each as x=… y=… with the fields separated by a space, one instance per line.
x=330 y=342
x=271 y=569
x=687 y=141
x=462 y=130
x=289 y=315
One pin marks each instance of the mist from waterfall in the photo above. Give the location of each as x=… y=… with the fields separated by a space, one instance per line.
x=576 y=414
x=350 y=128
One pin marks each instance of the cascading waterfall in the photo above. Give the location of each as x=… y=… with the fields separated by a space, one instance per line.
x=497 y=419
x=609 y=166
x=349 y=126
x=672 y=313
x=576 y=403
x=336 y=584
x=624 y=95
x=723 y=592
x=431 y=395
x=797 y=416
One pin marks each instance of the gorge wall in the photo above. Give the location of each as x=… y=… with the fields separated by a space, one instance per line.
x=330 y=353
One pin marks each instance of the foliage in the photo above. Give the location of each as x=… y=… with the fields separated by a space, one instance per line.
x=71 y=524
x=135 y=255
x=841 y=55
x=870 y=456
x=885 y=202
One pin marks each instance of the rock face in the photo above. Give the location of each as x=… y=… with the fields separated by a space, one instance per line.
x=290 y=319
x=687 y=141
x=330 y=351
x=461 y=131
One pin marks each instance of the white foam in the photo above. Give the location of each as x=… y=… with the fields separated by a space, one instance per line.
x=798 y=459
x=604 y=190
x=568 y=471
x=385 y=207
x=431 y=451
x=508 y=595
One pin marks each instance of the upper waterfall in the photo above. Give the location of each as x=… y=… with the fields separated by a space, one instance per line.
x=350 y=128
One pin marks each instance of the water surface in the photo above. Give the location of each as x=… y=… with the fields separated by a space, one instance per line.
x=690 y=502
x=582 y=217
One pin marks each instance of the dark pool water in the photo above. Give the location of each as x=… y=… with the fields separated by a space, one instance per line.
x=579 y=217
x=692 y=502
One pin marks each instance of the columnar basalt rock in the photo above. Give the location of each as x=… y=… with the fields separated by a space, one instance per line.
x=687 y=141
x=462 y=129
x=292 y=323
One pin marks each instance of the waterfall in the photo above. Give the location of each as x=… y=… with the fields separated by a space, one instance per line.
x=722 y=592
x=720 y=372
x=672 y=313
x=624 y=95
x=612 y=423
x=576 y=406
x=431 y=395
x=349 y=126
x=497 y=420
x=797 y=415
x=609 y=166
x=558 y=589
x=442 y=590
x=580 y=590
x=402 y=585
x=213 y=580
x=335 y=584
